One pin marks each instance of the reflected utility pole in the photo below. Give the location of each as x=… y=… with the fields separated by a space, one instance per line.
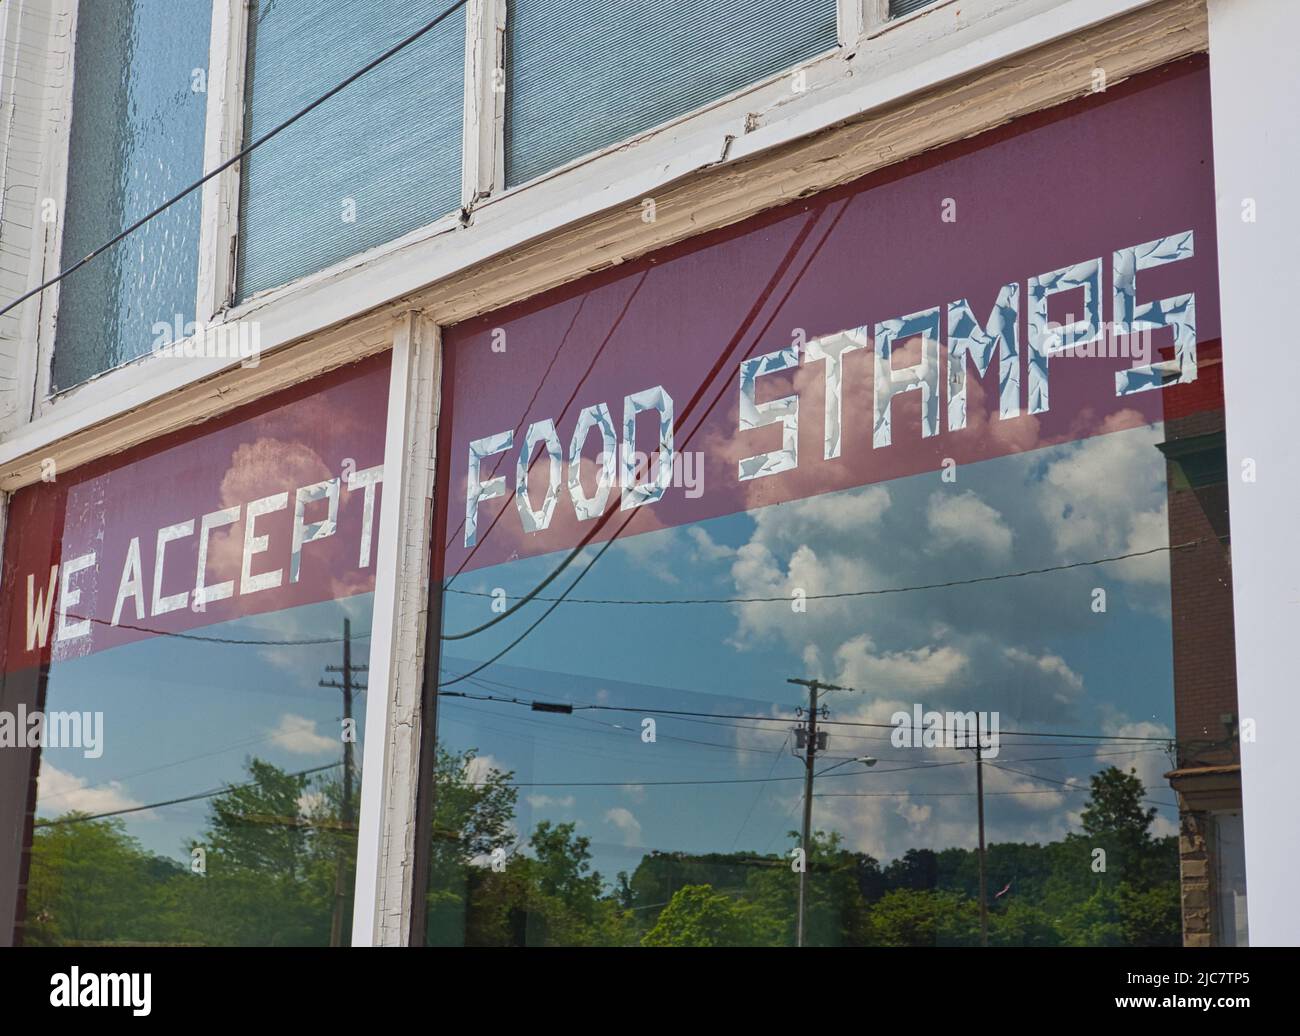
x=814 y=740
x=347 y=686
x=979 y=795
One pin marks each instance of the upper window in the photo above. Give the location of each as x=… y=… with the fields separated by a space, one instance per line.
x=898 y=8
x=380 y=158
x=586 y=73
x=138 y=110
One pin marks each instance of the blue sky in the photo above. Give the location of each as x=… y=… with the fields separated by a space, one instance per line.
x=182 y=717
x=1031 y=648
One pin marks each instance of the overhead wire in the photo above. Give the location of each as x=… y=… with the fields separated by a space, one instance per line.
x=584 y=706
x=727 y=352
x=853 y=593
x=79 y=818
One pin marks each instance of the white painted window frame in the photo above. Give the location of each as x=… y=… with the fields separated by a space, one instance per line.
x=219 y=230
x=1252 y=98
x=49 y=27
x=219 y=198
x=328 y=318
x=39 y=318
x=383 y=893
x=900 y=53
x=483 y=168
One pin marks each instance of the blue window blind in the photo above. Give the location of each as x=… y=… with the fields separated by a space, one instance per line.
x=898 y=8
x=378 y=159
x=139 y=104
x=587 y=73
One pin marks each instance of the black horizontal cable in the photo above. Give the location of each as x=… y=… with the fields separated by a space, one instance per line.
x=1067 y=784
x=721 y=780
x=585 y=706
x=716 y=720
x=83 y=818
x=666 y=601
x=851 y=593
x=217 y=640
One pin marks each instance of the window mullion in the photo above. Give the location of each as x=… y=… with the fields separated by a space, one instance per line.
x=386 y=833
x=38 y=321
x=856 y=18
x=483 y=154
x=223 y=137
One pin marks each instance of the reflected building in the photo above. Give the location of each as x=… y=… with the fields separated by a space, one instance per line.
x=1207 y=774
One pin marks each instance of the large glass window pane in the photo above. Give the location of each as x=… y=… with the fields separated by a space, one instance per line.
x=968 y=468
x=586 y=73
x=195 y=647
x=378 y=159
x=138 y=108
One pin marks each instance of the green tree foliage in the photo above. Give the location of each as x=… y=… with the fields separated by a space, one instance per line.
x=924 y=917
x=91 y=882
x=699 y=916
x=836 y=896
x=280 y=848
x=471 y=819
x=274 y=851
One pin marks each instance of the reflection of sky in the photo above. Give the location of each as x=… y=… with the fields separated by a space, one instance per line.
x=1031 y=648
x=182 y=717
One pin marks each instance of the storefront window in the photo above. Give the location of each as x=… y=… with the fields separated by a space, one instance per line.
x=184 y=680
x=913 y=439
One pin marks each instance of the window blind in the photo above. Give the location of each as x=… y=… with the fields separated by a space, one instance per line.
x=378 y=159
x=586 y=73
x=898 y=8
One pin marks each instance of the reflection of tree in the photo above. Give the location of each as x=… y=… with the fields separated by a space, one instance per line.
x=1114 y=820
x=548 y=894
x=256 y=827
x=471 y=820
x=270 y=855
x=92 y=882
x=482 y=891
x=272 y=848
x=273 y=845
x=698 y=916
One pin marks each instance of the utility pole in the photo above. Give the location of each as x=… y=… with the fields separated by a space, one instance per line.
x=979 y=796
x=347 y=686
x=809 y=759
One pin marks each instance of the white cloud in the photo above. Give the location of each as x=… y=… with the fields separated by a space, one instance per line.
x=550 y=801
x=627 y=823
x=966 y=520
x=659 y=553
x=297 y=734
x=60 y=792
x=1106 y=495
x=705 y=548
x=921 y=669
x=481 y=766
